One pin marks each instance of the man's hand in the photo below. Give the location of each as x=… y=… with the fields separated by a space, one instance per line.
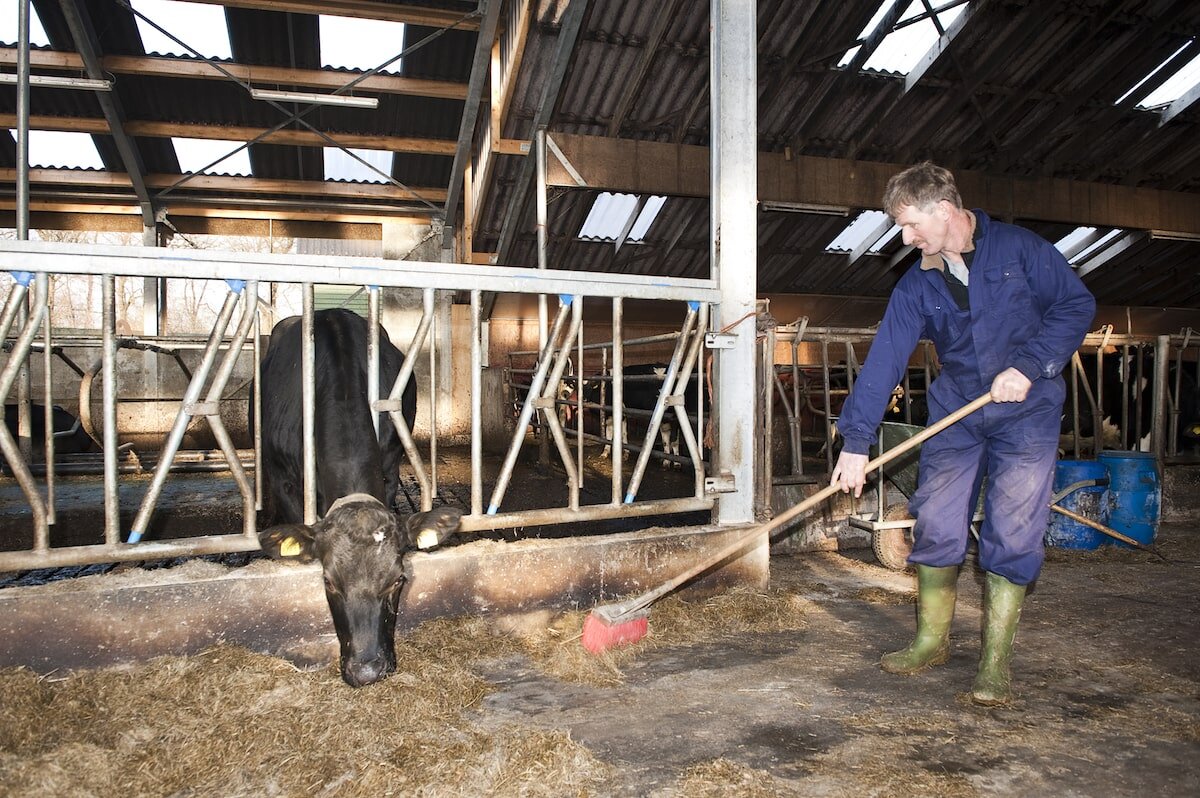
x=1010 y=385
x=850 y=472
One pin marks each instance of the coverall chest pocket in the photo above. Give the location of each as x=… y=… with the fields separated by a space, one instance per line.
x=943 y=320
x=1008 y=291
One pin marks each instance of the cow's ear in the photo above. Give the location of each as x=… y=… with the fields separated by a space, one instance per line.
x=288 y=542
x=428 y=530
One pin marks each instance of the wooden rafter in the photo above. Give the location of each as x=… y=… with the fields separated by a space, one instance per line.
x=363 y=9
x=299 y=138
x=154 y=66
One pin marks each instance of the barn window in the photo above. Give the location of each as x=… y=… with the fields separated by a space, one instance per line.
x=912 y=36
x=198 y=26
x=620 y=217
x=360 y=43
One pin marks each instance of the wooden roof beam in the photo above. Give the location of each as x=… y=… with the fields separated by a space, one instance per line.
x=683 y=170
x=362 y=9
x=299 y=138
x=160 y=67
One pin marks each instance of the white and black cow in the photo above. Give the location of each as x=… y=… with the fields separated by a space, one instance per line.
x=360 y=541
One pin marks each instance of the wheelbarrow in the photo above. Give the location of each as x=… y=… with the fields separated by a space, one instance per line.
x=891 y=525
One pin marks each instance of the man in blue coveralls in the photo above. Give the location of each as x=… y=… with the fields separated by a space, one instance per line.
x=1005 y=312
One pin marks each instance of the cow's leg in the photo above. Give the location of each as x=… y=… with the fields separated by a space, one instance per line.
x=664 y=434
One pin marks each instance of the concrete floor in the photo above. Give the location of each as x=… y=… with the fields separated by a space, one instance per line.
x=1107 y=673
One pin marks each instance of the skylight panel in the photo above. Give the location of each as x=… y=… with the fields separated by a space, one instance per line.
x=1173 y=87
x=1084 y=242
x=199 y=26
x=195 y=154
x=54 y=149
x=904 y=47
x=855 y=233
x=8 y=27
x=340 y=166
x=360 y=43
x=610 y=214
x=1097 y=247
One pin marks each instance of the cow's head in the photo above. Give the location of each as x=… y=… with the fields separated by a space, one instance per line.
x=361 y=547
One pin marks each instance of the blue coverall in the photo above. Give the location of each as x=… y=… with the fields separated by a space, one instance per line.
x=1027 y=309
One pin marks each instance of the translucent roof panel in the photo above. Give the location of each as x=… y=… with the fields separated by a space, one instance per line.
x=8 y=27
x=611 y=212
x=51 y=149
x=195 y=154
x=853 y=234
x=360 y=43
x=340 y=166
x=1084 y=242
x=1183 y=77
x=907 y=43
x=200 y=27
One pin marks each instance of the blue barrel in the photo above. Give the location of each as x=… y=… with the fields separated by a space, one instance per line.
x=1091 y=503
x=1134 y=493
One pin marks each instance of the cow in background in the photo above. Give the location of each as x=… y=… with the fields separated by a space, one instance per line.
x=69 y=436
x=359 y=540
x=1127 y=401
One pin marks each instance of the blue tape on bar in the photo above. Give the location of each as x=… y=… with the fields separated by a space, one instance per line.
x=236 y=286
x=24 y=278
x=492 y=509
x=566 y=299
x=694 y=305
x=134 y=537
x=629 y=498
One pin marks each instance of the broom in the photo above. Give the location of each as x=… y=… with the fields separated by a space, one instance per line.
x=612 y=625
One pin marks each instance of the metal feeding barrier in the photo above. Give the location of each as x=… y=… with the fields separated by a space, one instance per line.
x=230 y=340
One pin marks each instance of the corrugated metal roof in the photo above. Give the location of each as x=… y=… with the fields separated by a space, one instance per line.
x=1026 y=90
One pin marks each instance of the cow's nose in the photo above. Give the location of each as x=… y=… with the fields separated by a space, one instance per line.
x=360 y=674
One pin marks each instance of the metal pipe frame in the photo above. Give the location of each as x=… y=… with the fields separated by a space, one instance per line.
x=188 y=408
x=82 y=260
x=12 y=369
x=476 y=403
x=668 y=389
x=535 y=391
x=394 y=407
x=40 y=256
x=211 y=409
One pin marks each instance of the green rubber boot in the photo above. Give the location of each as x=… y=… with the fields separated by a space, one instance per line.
x=1001 y=612
x=936 y=591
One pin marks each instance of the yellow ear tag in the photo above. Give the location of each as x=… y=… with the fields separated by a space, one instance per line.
x=289 y=547
x=427 y=539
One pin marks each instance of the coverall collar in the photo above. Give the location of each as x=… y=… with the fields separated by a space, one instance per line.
x=935 y=261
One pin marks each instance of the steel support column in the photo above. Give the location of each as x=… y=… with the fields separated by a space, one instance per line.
x=733 y=78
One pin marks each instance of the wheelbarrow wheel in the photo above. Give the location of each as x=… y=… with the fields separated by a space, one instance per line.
x=892 y=546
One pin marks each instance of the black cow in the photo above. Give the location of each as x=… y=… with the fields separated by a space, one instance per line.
x=69 y=437
x=359 y=541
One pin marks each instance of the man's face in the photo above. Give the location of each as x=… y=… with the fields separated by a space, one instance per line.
x=925 y=230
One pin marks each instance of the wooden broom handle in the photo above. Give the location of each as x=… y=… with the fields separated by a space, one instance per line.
x=778 y=521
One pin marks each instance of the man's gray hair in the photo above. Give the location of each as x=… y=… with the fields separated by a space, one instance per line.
x=921 y=186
